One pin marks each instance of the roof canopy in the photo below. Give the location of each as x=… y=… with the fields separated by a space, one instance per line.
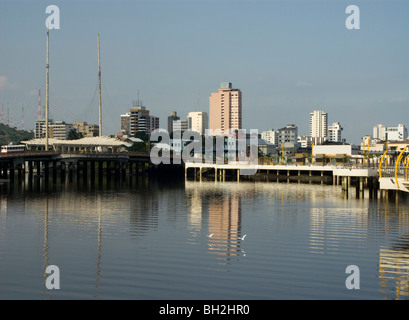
x=104 y=141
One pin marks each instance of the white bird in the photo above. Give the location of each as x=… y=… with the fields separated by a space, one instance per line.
x=242 y=238
x=210 y=235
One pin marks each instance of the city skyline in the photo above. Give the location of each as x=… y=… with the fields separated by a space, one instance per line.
x=287 y=57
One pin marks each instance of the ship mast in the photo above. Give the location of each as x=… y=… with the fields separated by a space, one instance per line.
x=99 y=85
x=46 y=97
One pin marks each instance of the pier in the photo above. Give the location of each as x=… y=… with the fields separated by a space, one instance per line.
x=351 y=178
x=89 y=166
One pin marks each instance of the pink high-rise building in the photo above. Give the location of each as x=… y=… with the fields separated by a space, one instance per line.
x=225 y=109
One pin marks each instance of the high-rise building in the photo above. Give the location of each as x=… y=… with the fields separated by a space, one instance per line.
x=138 y=120
x=225 y=108
x=126 y=123
x=198 y=121
x=334 y=132
x=379 y=132
x=318 y=126
x=179 y=126
x=173 y=117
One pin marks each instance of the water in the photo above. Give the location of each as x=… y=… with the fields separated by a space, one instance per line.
x=151 y=241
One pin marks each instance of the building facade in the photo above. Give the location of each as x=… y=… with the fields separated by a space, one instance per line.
x=287 y=134
x=56 y=129
x=198 y=121
x=225 y=109
x=399 y=133
x=318 y=127
x=87 y=130
x=179 y=126
x=173 y=117
x=138 y=120
x=269 y=136
x=334 y=132
x=379 y=132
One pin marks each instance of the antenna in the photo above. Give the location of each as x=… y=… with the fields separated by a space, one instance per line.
x=99 y=85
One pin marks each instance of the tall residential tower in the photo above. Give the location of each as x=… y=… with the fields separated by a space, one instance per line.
x=225 y=109
x=318 y=127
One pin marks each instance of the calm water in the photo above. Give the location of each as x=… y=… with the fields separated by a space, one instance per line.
x=151 y=241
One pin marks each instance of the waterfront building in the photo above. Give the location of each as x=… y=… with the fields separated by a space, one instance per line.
x=399 y=133
x=173 y=117
x=334 y=132
x=179 y=126
x=318 y=126
x=125 y=123
x=379 y=132
x=39 y=128
x=56 y=129
x=138 y=119
x=87 y=130
x=304 y=142
x=225 y=109
x=335 y=149
x=59 y=130
x=198 y=121
x=269 y=136
x=287 y=134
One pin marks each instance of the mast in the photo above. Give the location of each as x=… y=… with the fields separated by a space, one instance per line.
x=99 y=85
x=46 y=97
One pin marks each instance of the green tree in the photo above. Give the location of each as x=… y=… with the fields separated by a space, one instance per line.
x=74 y=135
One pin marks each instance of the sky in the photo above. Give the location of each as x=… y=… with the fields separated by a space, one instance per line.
x=288 y=57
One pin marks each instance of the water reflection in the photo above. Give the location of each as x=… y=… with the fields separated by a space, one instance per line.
x=394 y=270
x=221 y=206
x=158 y=235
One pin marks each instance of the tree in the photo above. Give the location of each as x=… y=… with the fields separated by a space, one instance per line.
x=74 y=135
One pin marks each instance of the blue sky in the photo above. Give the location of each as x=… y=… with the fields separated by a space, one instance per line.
x=288 y=57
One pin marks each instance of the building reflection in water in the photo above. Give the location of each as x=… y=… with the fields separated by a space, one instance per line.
x=394 y=267
x=394 y=260
x=221 y=205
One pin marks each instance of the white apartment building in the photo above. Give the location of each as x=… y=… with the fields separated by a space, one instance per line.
x=398 y=133
x=270 y=136
x=379 y=132
x=334 y=132
x=198 y=121
x=318 y=126
x=304 y=142
x=382 y=133
x=56 y=129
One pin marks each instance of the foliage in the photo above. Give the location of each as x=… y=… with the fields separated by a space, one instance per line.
x=74 y=135
x=13 y=135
